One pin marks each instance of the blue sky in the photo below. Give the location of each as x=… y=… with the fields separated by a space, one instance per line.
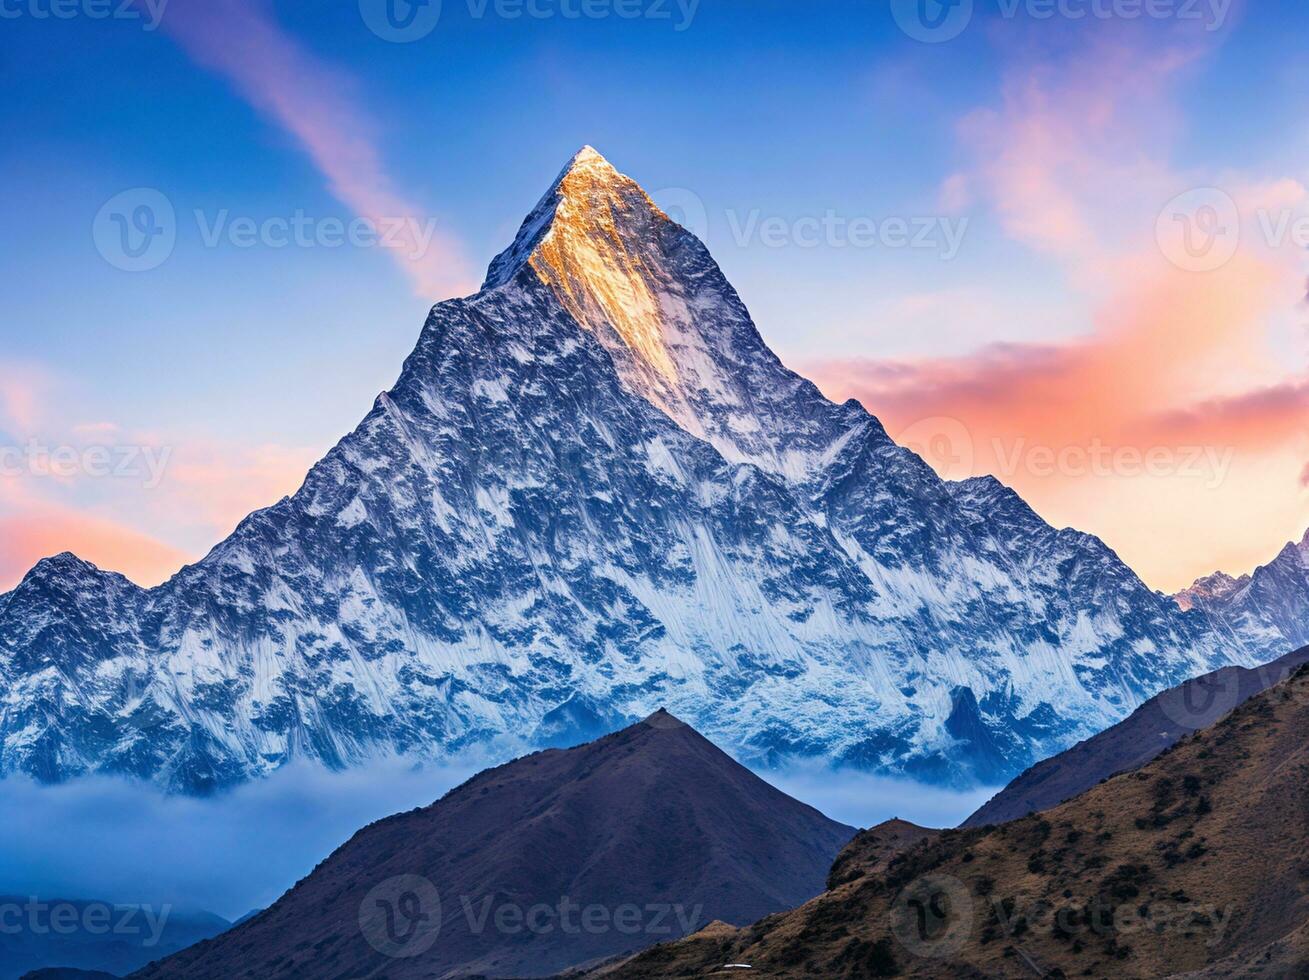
x=247 y=362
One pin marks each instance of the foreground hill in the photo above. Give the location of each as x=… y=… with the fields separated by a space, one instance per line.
x=557 y=859
x=1194 y=866
x=1151 y=728
x=594 y=490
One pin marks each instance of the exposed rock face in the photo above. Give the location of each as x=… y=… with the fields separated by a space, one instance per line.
x=592 y=491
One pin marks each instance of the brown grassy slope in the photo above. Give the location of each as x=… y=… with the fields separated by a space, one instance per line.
x=1196 y=866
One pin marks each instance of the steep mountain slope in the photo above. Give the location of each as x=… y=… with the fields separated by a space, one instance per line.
x=1271 y=605
x=1151 y=728
x=1193 y=866
x=592 y=491
x=557 y=859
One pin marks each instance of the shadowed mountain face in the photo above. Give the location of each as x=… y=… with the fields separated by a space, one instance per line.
x=554 y=860
x=1194 y=867
x=594 y=490
x=1153 y=727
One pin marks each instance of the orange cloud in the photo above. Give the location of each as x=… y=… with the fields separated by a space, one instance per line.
x=311 y=100
x=1174 y=413
x=21 y=390
x=40 y=531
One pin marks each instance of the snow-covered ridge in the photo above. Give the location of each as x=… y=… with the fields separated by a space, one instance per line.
x=1270 y=605
x=593 y=492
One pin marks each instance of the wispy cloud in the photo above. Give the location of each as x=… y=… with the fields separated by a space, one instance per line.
x=1075 y=161
x=316 y=103
x=140 y=503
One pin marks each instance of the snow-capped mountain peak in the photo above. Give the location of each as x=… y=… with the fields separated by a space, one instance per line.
x=594 y=491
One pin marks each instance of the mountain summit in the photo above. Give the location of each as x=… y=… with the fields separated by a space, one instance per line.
x=549 y=862
x=592 y=491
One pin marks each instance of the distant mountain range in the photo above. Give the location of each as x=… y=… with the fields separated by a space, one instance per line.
x=1269 y=607
x=555 y=860
x=70 y=937
x=593 y=491
x=1192 y=867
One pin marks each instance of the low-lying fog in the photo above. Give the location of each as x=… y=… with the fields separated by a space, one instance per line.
x=109 y=839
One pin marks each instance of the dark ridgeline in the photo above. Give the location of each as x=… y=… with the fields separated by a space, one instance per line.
x=652 y=828
x=1156 y=725
x=1193 y=867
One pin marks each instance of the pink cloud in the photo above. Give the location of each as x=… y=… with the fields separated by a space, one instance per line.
x=22 y=387
x=32 y=528
x=1264 y=416
x=1074 y=161
x=313 y=101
